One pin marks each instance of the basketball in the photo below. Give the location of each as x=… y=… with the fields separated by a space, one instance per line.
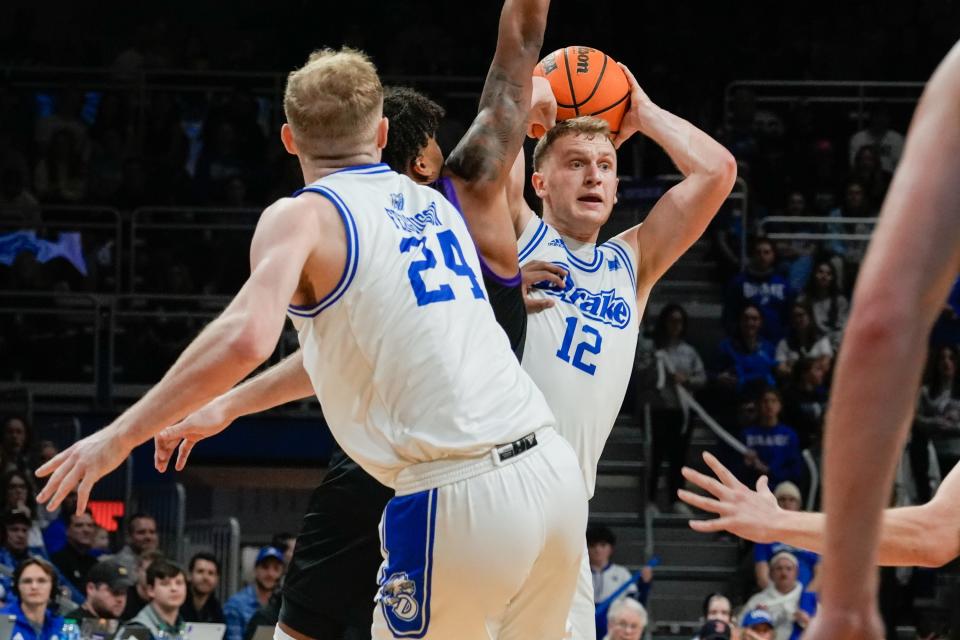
x=586 y=82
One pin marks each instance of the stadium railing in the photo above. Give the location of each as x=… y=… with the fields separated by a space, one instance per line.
x=222 y=539
x=831 y=228
x=850 y=99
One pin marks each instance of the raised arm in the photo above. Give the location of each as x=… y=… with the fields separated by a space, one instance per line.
x=680 y=217
x=922 y=536
x=225 y=352
x=480 y=164
x=282 y=383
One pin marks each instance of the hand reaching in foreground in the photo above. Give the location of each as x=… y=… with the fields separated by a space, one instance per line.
x=535 y=272
x=80 y=466
x=207 y=421
x=743 y=512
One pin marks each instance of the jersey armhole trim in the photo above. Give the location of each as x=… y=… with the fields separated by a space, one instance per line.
x=350 y=267
x=534 y=242
x=625 y=255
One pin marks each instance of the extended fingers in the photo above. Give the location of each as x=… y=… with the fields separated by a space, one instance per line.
x=65 y=485
x=53 y=464
x=185 y=448
x=701 y=502
x=536 y=305
x=715 y=525
x=705 y=482
x=724 y=474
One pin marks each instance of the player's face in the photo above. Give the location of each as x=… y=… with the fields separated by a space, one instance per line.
x=578 y=182
x=429 y=163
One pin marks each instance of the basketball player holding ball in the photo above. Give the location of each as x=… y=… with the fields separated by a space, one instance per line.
x=580 y=350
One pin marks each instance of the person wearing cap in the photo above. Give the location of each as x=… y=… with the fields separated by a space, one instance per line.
x=789 y=498
x=106 y=587
x=782 y=598
x=757 y=625
x=241 y=606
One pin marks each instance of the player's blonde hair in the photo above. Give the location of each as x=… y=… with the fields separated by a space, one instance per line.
x=584 y=125
x=334 y=101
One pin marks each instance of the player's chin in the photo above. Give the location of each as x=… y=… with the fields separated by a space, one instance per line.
x=593 y=213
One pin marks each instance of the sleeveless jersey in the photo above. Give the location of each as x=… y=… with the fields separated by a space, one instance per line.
x=404 y=354
x=580 y=351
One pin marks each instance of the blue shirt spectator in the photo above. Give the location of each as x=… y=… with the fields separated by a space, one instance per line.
x=761 y=285
x=16 y=527
x=34 y=586
x=777 y=446
x=241 y=606
x=746 y=359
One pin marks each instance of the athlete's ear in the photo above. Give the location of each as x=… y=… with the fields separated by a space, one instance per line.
x=538 y=184
x=382 y=129
x=286 y=135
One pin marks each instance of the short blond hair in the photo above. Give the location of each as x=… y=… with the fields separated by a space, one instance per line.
x=335 y=99
x=588 y=126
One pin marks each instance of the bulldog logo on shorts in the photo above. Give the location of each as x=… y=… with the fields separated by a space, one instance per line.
x=399 y=593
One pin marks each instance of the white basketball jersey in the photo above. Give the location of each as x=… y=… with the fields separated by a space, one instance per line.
x=580 y=351
x=404 y=354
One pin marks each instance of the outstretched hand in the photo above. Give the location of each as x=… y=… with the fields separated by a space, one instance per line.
x=207 y=421
x=640 y=104
x=743 y=512
x=80 y=466
x=536 y=272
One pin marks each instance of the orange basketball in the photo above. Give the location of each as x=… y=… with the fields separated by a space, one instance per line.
x=586 y=82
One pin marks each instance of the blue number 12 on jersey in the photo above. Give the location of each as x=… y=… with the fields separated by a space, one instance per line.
x=590 y=344
x=453 y=260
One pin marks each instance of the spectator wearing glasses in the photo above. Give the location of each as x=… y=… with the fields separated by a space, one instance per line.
x=34 y=588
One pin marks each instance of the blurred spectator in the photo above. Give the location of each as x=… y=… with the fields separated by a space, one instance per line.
x=715 y=630
x=855 y=205
x=265 y=616
x=64 y=118
x=60 y=175
x=167 y=590
x=626 y=620
x=106 y=166
x=758 y=625
x=678 y=364
x=937 y=417
x=133 y=191
x=285 y=542
x=781 y=600
x=55 y=534
x=138 y=596
x=878 y=134
x=607 y=576
x=868 y=172
x=101 y=542
x=202 y=604
x=106 y=592
x=805 y=401
x=46 y=450
x=774 y=447
x=15 y=549
x=34 y=588
x=795 y=256
x=141 y=538
x=746 y=360
x=803 y=340
x=789 y=498
x=75 y=559
x=18 y=496
x=14 y=444
x=716 y=609
x=761 y=285
x=830 y=307
x=241 y=606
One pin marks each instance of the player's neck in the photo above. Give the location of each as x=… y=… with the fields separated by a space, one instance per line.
x=570 y=229
x=314 y=168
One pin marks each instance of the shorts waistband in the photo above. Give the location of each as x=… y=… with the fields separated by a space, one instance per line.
x=436 y=473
